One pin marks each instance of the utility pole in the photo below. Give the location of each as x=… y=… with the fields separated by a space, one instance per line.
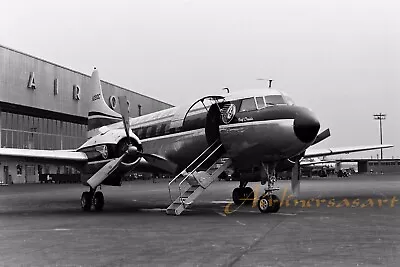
x=380 y=117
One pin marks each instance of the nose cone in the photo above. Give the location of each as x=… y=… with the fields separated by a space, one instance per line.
x=306 y=126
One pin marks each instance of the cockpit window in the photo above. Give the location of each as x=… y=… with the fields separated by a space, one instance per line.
x=260 y=102
x=248 y=104
x=272 y=100
x=289 y=100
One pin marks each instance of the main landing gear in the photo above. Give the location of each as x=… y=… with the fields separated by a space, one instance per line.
x=268 y=202
x=94 y=198
x=242 y=194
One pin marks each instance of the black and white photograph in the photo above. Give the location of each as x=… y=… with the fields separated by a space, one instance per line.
x=198 y=133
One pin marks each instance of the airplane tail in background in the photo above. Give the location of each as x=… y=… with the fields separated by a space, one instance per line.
x=100 y=114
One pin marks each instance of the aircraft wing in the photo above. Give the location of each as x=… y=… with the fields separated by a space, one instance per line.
x=146 y=166
x=305 y=163
x=50 y=156
x=312 y=152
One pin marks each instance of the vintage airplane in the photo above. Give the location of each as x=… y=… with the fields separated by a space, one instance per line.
x=261 y=128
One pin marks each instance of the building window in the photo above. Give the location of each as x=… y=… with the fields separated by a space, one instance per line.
x=9 y=121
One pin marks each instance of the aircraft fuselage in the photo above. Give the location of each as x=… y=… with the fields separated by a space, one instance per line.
x=269 y=134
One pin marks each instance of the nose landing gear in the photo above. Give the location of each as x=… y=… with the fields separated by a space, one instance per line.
x=269 y=202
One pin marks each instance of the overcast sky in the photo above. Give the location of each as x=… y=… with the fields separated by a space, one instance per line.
x=340 y=58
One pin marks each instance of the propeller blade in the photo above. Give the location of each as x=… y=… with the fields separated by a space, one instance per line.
x=104 y=172
x=322 y=136
x=160 y=162
x=123 y=105
x=296 y=177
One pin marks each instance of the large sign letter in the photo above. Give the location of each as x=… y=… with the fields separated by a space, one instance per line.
x=55 y=86
x=76 y=92
x=31 y=83
x=113 y=101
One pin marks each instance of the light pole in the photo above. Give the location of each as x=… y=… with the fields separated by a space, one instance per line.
x=380 y=117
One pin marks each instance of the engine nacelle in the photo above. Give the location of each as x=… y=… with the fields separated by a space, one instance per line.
x=109 y=136
x=112 y=143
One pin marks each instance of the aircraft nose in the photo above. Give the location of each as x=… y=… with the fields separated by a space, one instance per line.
x=306 y=126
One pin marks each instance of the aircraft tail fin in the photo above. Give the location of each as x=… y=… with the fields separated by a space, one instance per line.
x=100 y=114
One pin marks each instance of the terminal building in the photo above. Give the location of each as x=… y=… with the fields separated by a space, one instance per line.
x=45 y=106
x=379 y=166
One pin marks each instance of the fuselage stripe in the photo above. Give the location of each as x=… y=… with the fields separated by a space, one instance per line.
x=96 y=113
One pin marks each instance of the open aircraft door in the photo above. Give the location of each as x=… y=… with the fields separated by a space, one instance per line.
x=208 y=164
x=214 y=116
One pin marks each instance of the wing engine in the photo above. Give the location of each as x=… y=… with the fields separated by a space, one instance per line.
x=130 y=153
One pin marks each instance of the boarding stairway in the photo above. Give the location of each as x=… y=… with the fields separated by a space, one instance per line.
x=191 y=182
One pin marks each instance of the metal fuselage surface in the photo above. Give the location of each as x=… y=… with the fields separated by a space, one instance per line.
x=264 y=133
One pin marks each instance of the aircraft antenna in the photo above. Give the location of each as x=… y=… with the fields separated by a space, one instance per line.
x=226 y=88
x=269 y=81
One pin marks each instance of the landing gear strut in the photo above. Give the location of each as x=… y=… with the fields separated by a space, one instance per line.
x=269 y=202
x=242 y=194
x=94 y=198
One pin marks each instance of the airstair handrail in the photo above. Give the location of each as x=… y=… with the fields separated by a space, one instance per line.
x=192 y=163
x=189 y=174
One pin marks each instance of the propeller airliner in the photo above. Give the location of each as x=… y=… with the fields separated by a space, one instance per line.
x=254 y=129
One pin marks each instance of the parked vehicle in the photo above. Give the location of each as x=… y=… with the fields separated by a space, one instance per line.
x=342 y=173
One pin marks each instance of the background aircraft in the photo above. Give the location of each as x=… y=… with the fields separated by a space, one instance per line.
x=255 y=128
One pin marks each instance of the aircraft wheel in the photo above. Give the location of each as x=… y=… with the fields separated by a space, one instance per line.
x=265 y=204
x=86 y=201
x=248 y=194
x=237 y=195
x=98 y=201
x=276 y=203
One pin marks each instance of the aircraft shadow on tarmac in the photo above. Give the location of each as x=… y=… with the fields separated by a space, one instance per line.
x=56 y=208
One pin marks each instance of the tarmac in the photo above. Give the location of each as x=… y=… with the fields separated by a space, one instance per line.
x=350 y=221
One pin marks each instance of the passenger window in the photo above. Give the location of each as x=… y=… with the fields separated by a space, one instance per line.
x=272 y=100
x=162 y=129
x=140 y=133
x=248 y=104
x=260 y=102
